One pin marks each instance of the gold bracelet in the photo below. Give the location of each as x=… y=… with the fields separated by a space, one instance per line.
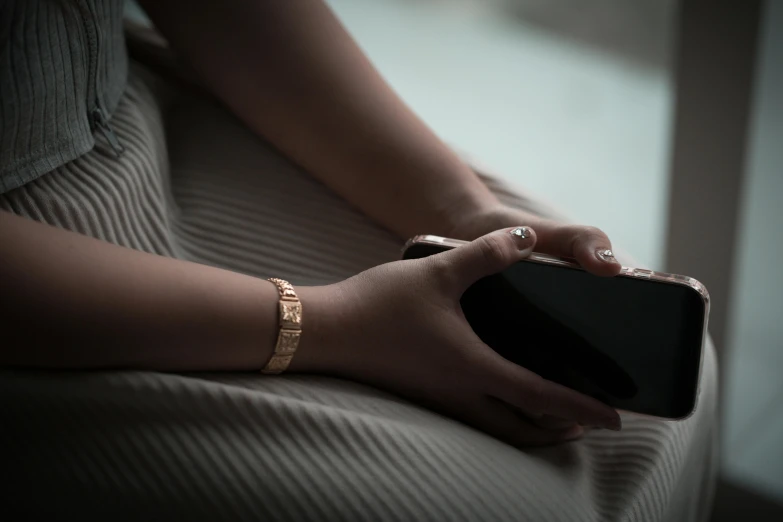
x=290 y=328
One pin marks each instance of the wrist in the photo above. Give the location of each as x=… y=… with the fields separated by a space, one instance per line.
x=456 y=199
x=476 y=221
x=461 y=211
x=318 y=350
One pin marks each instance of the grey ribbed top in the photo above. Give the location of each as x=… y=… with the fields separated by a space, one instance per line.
x=63 y=66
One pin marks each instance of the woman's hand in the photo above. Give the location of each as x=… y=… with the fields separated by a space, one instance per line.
x=588 y=245
x=400 y=327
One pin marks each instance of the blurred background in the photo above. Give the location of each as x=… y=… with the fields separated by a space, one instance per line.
x=569 y=100
x=660 y=121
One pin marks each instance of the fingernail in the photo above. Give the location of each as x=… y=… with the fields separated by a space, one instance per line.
x=574 y=433
x=521 y=236
x=604 y=254
x=521 y=232
x=614 y=423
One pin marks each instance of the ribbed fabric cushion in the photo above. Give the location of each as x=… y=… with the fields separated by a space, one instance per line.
x=154 y=446
x=59 y=60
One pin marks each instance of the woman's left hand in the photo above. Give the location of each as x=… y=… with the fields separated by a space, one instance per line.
x=588 y=245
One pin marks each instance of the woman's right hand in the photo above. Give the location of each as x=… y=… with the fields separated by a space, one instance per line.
x=400 y=327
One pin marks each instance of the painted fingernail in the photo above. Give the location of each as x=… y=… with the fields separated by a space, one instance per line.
x=604 y=254
x=521 y=232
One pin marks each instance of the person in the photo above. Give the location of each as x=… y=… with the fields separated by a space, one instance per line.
x=139 y=222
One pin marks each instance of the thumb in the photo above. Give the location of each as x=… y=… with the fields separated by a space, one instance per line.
x=490 y=254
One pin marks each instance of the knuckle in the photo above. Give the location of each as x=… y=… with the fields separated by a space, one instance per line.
x=437 y=263
x=593 y=233
x=441 y=271
x=495 y=251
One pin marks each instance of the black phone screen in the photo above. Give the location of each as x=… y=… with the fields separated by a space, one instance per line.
x=633 y=344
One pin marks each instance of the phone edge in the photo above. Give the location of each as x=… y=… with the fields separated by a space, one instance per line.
x=625 y=271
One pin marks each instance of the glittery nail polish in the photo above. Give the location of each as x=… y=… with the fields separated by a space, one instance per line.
x=521 y=232
x=604 y=254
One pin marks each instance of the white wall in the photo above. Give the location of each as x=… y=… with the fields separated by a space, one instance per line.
x=573 y=124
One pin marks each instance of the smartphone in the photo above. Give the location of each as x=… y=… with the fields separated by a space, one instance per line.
x=634 y=341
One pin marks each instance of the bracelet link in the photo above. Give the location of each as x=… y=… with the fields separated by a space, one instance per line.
x=290 y=314
x=290 y=322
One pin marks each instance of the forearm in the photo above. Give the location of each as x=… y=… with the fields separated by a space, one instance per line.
x=69 y=301
x=295 y=76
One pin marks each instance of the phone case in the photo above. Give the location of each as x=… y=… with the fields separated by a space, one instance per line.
x=630 y=272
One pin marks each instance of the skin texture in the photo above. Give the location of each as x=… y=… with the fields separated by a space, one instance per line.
x=409 y=336
x=397 y=326
x=293 y=75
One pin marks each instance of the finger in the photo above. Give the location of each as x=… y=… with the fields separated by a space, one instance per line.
x=489 y=254
x=547 y=422
x=532 y=393
x=590 y=246
x=496 y=419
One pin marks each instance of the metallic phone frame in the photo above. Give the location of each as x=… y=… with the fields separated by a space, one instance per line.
x=625 y=271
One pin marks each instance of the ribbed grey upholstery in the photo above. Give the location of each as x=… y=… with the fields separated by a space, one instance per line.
x=153 y=446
